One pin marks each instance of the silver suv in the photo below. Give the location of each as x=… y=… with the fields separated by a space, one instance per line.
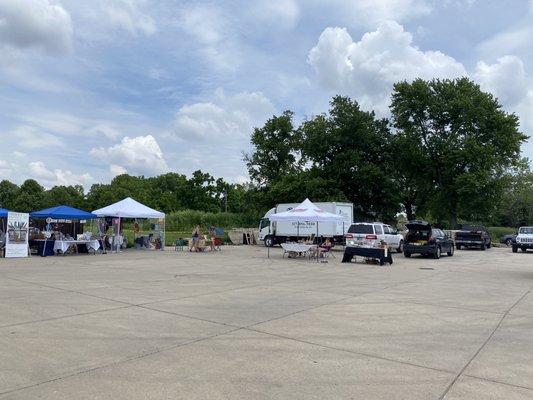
x=372 y=233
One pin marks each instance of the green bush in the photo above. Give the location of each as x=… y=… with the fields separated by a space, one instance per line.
x=496 y=232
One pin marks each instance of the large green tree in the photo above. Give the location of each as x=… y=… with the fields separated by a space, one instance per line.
x=29 y=197
x=467 y=141
x=7 y=194
x=275 y=151
x=349 y=148
x=65 y=195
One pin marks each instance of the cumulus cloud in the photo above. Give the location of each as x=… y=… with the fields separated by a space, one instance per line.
x=367 y=69
x=35 y=23
x=137 y=155
x=224 y=118
x=506 y=78
x=39 y=171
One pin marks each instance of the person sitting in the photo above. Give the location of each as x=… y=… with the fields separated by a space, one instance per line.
x=325 y=247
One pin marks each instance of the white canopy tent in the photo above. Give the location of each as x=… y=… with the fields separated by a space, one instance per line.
x=130 y=208
x=306 y=212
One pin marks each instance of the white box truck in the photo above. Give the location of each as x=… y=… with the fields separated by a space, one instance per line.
x=276 y=232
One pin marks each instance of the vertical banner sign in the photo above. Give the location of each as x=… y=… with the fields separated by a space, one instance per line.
x=17 y=234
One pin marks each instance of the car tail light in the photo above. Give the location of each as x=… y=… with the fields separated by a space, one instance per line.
x=349 y=236
x=371 y=237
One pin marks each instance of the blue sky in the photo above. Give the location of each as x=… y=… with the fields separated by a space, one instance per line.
x=93 y=89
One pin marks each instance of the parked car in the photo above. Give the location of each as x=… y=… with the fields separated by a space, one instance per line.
x=423 y=239
x=372 y=233
x=508 y=239
x=524 y=239
x=473 y=236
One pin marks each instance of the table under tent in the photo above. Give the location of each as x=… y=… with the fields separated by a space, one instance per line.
x=61 y=229
x=151 y=236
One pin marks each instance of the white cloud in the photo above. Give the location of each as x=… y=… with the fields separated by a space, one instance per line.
x=274 y=13
x=129 y=15
x=367 y=69
x=138 y=155
x=224 y=118
x=69 y=125
x=35 y=23
x=39 y=171
x=32 y=138
x=370 y=12
x=6 y=169
x=213 y=35
x=117 y=170
x=506 y=78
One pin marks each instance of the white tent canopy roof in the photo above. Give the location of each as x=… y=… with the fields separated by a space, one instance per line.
x=128 y=208
x=306 y=211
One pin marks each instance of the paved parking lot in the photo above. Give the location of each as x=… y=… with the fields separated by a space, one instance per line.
x=236 y=325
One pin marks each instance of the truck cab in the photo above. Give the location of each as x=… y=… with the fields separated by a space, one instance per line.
x=524 y=240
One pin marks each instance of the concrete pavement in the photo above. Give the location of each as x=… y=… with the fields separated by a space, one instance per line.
x=236 y=325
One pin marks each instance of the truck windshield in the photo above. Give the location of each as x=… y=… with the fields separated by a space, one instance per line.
x=264 y=223
x=361 y=228
x=472 y=228
x=526 y=230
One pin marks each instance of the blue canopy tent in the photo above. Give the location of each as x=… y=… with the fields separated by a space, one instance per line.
x=3 y=213
x=62 y=212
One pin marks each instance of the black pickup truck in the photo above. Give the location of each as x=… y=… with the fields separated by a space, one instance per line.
x=473 y=236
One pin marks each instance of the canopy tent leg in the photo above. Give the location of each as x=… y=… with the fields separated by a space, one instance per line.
x=118 y=234
x=317 y=248
x=164 y=233
x=268 y=247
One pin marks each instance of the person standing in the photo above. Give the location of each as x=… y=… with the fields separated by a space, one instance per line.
x=195 y=238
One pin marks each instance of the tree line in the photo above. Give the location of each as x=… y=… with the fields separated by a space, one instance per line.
x=448 y=153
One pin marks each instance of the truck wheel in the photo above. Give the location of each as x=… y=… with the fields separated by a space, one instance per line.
x=407 y=254
x=483 y=247
x=458 y=247
x=436 y=256
x=524 y=249
x=515 y=249
x=489 y=245
x=508 y=242
x=400 y=247
x=450 y=253
x=269 y=241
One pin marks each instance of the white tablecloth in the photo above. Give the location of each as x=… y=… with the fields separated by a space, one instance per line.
x=63 y=245
x=296 y=247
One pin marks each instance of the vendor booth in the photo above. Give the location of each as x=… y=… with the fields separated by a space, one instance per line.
x=147 y=237
x=305 y=212
x=3 y=230
x=61 y=229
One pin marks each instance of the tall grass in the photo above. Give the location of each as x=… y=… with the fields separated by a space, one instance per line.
x=186 y=220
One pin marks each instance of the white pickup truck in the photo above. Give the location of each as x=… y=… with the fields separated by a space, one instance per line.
x=524 y=240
